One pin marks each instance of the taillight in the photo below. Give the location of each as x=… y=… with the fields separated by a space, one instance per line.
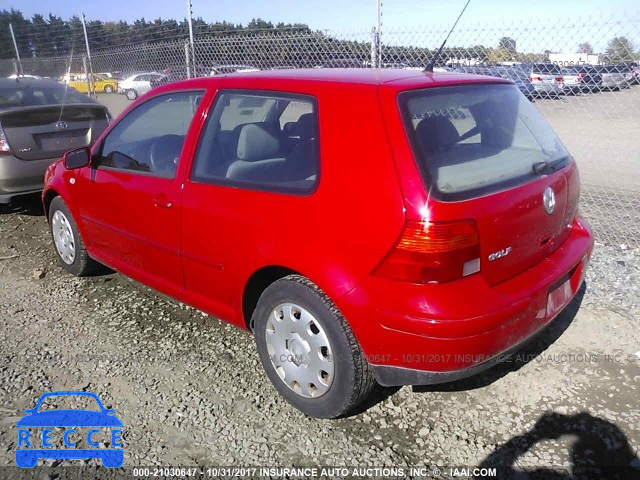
x=559 y=79
x=4 y=144
x=535 y=79
x=433 y=252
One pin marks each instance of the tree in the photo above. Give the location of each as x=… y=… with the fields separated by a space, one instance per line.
x=620 y=49
x=508 y=44
x=585 y=48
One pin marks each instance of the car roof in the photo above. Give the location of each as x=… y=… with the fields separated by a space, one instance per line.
x=34 y=82
x=398 y=78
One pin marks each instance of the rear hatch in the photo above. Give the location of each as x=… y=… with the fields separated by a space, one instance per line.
x=487 y=155
x=40 y=132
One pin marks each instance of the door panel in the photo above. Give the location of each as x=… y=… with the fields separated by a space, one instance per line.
x=131 y=196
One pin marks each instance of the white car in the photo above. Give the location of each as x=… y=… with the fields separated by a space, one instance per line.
x=14 y=76
x=137 y=84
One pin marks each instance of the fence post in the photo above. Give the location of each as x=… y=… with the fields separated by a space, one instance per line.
x=90 y=82
x=190 y=21
x=19 y=70
x=187 y=57
x=374 y=47
x=86 y=72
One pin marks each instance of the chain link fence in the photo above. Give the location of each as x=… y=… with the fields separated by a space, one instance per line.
x=596 y=110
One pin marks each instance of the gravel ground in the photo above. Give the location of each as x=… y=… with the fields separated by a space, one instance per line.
x=190 y=390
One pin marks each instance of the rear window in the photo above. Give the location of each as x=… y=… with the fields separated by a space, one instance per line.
x=471 y=140
x=22 y=95
x=546 y=68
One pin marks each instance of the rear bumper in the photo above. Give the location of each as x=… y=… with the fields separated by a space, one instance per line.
x=548 y=88
x=424 y=334
x=21 y=177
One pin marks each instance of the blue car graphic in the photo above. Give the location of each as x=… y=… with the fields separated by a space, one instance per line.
x=68 y=419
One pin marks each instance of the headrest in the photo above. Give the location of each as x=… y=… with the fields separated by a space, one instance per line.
x=436 y=132
x=256 y=143
x=306 y=126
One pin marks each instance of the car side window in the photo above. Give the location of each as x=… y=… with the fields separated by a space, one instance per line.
x=260 y=140
x=150 y=138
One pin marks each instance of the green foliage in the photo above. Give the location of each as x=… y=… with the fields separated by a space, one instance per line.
x=48 y=36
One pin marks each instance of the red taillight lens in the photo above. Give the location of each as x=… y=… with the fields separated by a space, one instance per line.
x=433 y=252
x=559 y=79
x=4 y=144
x=535 y=79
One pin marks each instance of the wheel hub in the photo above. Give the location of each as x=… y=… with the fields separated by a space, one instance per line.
x=299 y=350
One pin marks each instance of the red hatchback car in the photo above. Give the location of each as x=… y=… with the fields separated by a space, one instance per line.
x=367 y=226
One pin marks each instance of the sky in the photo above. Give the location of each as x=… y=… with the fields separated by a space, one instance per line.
x=360 y=15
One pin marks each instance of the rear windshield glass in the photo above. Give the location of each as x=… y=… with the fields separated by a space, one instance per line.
x=22 y=95
x=471 y=140
x=546 y=68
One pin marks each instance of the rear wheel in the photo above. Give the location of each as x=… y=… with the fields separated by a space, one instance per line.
x=70 y=249
x=132 y=94
x=108 y=89
x=308 y=351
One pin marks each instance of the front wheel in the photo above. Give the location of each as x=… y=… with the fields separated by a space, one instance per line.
x=132 y=94
x=70 y=249
x=308 y=350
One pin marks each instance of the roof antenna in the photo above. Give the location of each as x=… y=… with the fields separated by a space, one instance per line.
x=432 y=63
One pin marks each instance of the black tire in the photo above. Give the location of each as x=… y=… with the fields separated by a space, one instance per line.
x=82 y=264
x=353 y=380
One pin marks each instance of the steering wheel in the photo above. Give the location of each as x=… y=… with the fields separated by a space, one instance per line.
x=164 y=153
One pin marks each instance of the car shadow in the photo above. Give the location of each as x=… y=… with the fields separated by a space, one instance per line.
x=30 y=205
x=519 y=358
x=600 y=450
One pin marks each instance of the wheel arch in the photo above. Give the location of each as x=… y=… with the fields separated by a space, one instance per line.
x=256 y=284
x=47 y=199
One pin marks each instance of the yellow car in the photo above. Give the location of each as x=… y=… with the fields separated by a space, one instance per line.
x=100 y=84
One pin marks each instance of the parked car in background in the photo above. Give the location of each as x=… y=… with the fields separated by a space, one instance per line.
x=343 y=63
x=175 y=74
x=25 y=75
x=137 y=84
x=519 y=77
x=547 y=79
x=99 y=84
x=572 y=80
x=39 y=120
x=234 y=188
x=614 y=77
x=224 y=69
x=582 y=78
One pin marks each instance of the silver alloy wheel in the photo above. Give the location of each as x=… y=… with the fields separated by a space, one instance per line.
x=63 y=237
x=299 y=350
x=132 y=94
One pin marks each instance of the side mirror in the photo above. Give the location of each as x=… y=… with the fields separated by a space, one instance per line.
x=78 y=158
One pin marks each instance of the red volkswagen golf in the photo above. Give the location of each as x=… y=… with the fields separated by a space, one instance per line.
x=367 y=226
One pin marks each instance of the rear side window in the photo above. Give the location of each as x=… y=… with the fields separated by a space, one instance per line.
x=263 y=141
x=471 y=140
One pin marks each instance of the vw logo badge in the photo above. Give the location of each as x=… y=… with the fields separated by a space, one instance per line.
x=549 y=200
x=61 y=125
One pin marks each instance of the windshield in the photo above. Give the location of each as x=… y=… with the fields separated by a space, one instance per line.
x=22 y=95
x=471 y=140
x=69 y=402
